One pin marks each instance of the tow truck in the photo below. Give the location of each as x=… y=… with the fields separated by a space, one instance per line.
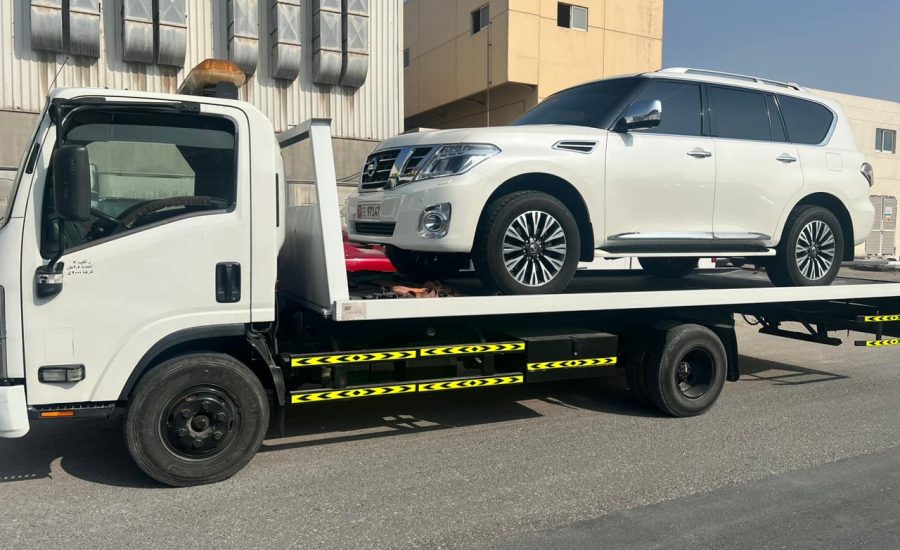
x=207 y=307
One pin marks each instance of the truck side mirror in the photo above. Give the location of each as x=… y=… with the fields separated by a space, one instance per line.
x=72 y=183
x=646 y=113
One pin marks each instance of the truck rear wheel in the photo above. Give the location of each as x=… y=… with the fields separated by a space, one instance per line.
x=196 y=419
x=685 y=376
x=528 y=243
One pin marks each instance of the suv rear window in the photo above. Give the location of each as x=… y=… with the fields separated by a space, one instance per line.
x=807 y=122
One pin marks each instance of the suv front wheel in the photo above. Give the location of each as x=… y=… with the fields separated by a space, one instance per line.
x=810 y=250
x=528 y=243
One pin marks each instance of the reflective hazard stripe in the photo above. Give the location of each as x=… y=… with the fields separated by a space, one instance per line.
x=573 y=364
x=878 y=318
x=472 y=349
x=350 y=358
x=879 y=343
x=472 y=383
x=331 y=395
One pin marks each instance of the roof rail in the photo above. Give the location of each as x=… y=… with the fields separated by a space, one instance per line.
x=732 y=76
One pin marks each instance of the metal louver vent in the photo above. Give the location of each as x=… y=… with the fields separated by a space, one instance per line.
x=576 y=146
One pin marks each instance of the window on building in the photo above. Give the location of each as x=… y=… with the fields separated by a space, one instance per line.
x=481 y=18
x=886 y=141
x=681 y=107
x=807 y=122
x=572 y=17
x=739 y=114
x=406 y=58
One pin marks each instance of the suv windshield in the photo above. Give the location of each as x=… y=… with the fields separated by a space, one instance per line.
x=593 y=105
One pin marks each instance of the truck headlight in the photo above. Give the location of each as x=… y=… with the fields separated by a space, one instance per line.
x=450 y=160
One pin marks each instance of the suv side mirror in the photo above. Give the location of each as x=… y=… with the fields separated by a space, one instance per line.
x=646 y=113
x=72 y=183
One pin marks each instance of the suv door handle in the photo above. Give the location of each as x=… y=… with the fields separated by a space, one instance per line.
x=699 y=153
x=785 y=158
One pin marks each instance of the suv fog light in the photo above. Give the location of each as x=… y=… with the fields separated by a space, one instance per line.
x=434 y=221
x=61 y=375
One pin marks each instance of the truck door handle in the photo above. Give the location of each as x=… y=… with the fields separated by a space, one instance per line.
x=228 y=283
x=699 y=153
x=785 y=158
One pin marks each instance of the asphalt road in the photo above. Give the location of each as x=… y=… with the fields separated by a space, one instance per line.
x=804 y=451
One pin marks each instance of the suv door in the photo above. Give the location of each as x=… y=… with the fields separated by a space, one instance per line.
x=167 y=212
x=660 y=182
x=757 y=170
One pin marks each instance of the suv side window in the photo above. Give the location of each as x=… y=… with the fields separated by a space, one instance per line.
x=739 y=114
x=807 y=122
x=681 y=107
x=146 y=168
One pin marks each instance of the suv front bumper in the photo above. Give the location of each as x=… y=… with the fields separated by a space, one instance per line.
x=13 y=412
x=401 y=209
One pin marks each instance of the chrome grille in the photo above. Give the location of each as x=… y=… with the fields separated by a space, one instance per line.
x=392 y=167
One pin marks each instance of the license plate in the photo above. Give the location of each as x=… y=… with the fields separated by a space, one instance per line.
x=369 y=211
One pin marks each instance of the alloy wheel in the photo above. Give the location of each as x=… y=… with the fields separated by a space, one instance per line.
x=534 y=248
x=815 y=250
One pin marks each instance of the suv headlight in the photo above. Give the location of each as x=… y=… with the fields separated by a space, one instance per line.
x=450 y=160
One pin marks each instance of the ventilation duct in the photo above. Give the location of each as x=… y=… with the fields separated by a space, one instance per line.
x=284 y=30
x=137 y=31
x=355 y=65
x=47 y=25
x=327 y=41
x=243 y=33
x=171 y=32
x=84 y=27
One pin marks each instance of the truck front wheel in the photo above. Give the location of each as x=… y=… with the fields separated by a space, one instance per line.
x=196 y=419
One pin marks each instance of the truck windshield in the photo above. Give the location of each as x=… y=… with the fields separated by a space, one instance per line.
x=593 y=105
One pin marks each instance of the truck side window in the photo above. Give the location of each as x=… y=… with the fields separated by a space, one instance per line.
x=146 y=169
x=681 y=107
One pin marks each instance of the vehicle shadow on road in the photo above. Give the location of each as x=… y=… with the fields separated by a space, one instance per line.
x=782 y=374
x=340 y=422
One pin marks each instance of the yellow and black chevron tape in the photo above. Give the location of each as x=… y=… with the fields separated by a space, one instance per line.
x=471 y=383
x=879 y=343
x=573 y=364
x=350 y=358
x=472 y=349
x=331 y=395
x=879 y=318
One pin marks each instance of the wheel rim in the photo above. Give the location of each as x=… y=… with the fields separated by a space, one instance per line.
x=694 y=373
x=534 y=248
x=815 y=250
x=200 y=423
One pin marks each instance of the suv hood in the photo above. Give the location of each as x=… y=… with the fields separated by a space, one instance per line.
x=497 y=135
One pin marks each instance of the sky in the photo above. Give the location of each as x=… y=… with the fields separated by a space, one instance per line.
x=848 y=46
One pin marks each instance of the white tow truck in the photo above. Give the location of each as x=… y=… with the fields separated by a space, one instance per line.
x=150 y=263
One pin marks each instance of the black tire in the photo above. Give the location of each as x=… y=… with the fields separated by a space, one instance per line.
x=635 y=376
x=228 y=414
x=668 y=268
x=686 y=375
x=425 y=266
x=784 y=269
x=488 y=250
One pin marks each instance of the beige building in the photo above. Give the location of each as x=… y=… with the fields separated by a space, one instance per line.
x=485 y=62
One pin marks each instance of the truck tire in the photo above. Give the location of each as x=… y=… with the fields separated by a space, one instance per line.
x=196 y=419
x=685 y=376
x=527 y=243
x=810 y=250
x=668 y=268
x=635 y=375
x=425 y=266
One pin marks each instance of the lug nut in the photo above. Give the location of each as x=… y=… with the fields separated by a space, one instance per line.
x=198 y=443
x=217 y=436
x=205 y=406
x=221 y=417
x=185 y=413
x=182 y=432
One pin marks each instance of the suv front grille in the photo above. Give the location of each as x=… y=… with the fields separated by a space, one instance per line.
x=393 y=167
x=379 y=229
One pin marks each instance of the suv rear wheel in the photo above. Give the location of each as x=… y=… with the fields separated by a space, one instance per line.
x=528 y=243
x=810 y=250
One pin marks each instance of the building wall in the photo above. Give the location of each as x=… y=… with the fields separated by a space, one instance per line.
x=360 y=117
x=529 y=58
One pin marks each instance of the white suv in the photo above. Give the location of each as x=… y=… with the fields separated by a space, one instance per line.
x=668 y=166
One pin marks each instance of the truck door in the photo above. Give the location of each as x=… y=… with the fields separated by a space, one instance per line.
x=166 y=249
